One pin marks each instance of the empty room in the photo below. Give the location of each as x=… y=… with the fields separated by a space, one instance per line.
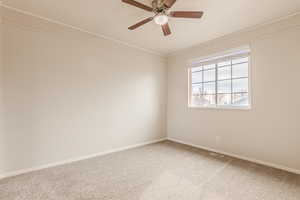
x=149 y=100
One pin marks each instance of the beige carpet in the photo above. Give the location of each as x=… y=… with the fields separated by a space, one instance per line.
x=160 y=171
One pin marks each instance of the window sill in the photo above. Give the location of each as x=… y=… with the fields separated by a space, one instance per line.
x=221 y=107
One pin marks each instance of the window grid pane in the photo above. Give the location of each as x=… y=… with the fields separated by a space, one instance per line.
x=197 y=77
x=240 y=70
x=240 y=85
x=224 y=87
x=209 y=75
x=209 y=88
x=224 y=73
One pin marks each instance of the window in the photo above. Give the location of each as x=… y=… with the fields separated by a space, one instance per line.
x=221 y=82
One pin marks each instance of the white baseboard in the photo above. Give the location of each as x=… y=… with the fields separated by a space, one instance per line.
x=295 y=171
x=23 y=171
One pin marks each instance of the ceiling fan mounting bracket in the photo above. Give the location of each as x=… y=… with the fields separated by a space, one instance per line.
x=159 y=7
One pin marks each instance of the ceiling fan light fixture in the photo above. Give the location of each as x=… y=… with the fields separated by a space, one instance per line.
x=161 y=19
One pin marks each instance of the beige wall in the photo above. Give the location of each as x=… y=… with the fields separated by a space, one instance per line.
x=69 y=94
x=1 y=93
x=270 y=131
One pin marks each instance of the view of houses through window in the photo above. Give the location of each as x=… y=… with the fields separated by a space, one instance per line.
x=221 y=83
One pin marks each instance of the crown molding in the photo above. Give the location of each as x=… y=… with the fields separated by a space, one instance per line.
x=160 y=54
x=102 y=36
x=241 y=31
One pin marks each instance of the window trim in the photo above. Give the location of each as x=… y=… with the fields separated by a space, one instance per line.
x=221 y=107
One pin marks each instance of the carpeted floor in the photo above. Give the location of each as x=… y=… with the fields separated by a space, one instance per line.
x=162 y=171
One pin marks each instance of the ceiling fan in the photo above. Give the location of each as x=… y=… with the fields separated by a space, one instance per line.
x=160 y=8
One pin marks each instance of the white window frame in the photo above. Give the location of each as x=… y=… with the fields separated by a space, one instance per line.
x=219 y=57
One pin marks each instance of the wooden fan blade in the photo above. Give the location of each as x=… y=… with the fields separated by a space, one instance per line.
x=169 y=3
x=138 y=4
x=140 y=23
x=166 y=29
x=186 y=14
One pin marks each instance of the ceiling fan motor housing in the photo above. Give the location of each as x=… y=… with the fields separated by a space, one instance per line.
x=158 y=6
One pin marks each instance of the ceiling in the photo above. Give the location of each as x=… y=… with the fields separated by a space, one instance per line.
x=112 y=17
